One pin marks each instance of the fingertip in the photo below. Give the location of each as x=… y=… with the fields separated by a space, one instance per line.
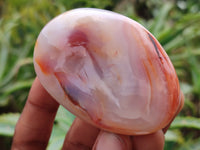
x=154 y=141
x=111 y=141
x=81 y=135
x=39 y=96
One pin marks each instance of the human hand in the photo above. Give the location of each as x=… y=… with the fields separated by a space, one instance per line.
x=34 y=128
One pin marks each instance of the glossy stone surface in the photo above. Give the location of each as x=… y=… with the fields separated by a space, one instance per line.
x=108 y=70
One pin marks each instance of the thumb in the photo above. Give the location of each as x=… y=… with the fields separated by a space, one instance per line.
x=111 y=141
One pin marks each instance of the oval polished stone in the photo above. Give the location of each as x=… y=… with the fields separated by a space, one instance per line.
x=108 y=70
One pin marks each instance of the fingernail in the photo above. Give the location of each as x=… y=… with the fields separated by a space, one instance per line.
x=109 y=141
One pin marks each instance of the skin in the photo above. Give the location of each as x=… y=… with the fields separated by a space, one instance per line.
x=35 y=125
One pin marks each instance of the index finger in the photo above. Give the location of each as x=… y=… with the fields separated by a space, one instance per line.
x=35 y=124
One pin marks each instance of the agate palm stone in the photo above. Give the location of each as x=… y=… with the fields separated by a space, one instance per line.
x=108 y=70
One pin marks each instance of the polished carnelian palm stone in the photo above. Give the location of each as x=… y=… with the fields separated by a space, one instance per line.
x=108 y=70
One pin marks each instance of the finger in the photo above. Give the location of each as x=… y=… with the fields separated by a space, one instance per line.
x=153 y=141
x=35 y=124
x=179 y=109
x=81 y=136
x=111 y=141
